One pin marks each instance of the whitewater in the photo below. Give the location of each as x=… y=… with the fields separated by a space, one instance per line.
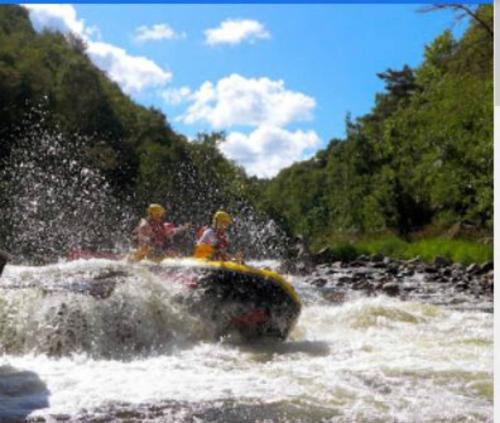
x=138 y=354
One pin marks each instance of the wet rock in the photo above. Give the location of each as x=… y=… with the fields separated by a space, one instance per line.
x=462 y=286
x=363 y=285
x=325 y=255
x=334 y=296
x=473 y=269
x=441 y=261
x=363 y=258
x=413 y=261
x=344 y=280
x=486 y=267
x=377 y=257
x=319 y=282
x=393 y=269
x=4 y=258
x=446 y=271
x=406 y=272
x=391 y=288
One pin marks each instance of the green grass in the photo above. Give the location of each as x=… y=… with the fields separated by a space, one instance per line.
x=456 y=250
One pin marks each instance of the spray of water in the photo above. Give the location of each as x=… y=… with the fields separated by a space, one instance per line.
x=56 y=198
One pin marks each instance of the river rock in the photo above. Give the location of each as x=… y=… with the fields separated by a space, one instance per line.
x=473 y=269
x=441 y=261
x=319 y=282
x=486 y=267
x=377 y=257
x=4 y=258
x=325 y=255
x=391 y=288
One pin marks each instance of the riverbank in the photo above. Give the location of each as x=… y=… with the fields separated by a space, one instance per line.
x=440 y=283
x=462 y=251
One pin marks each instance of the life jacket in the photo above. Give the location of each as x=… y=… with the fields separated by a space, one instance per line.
x=158 y=229
x=199 y=233
x=210 y=251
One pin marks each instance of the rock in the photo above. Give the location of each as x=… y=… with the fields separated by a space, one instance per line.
x=363 y=257
x=377 y=257
x=301 y=268
x=414 y=260
x=4 y=258
x=319 y=282
x=363 y=285
x=406 y=273
x=392 y=270
x=462 y=286
x=441 y=261
x=343 y=280
x=325 y=255
x=391 y=288
x=334 y=296
x=446 y=271
x=486 y=267
x=473 y=269
x=387 y=261
x=430 y=269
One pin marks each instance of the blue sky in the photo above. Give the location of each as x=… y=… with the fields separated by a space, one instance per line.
x=278 y=79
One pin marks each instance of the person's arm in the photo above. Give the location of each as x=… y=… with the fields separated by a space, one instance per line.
x=144 y=234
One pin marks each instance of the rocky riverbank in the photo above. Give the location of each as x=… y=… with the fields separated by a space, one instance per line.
x=439 y=283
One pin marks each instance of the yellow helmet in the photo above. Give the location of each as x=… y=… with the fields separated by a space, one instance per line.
x=156 y=210
x=222 y=216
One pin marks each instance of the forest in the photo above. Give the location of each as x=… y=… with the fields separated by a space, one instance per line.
x=418 y=166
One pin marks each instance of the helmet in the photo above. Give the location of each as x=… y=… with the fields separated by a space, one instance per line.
x=156 y=210
x=222 y=216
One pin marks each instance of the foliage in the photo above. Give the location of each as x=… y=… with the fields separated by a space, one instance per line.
x=422 y=157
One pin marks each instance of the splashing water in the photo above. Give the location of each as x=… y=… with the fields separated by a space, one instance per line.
x=371 y=359
x=57 y=200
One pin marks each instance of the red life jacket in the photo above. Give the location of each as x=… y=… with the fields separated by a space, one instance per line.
x=222 y=242
x=158 y=230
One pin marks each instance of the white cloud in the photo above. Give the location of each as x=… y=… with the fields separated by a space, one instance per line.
x=132 y=73
x=268 y=149
x=59 y=17
x=235 y=31
x=236 y=100
x=176 y=96
x=156 y=33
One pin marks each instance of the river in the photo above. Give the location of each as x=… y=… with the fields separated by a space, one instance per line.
x=367 y=359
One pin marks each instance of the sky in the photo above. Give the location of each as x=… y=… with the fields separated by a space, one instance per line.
x=277 y=79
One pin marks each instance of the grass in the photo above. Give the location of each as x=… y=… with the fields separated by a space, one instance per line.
x=455 y=250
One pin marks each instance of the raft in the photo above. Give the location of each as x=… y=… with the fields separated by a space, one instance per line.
x=236 y=298
x=232 y=298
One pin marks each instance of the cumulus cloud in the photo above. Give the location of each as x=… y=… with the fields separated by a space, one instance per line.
x=58 y=17
x=236 y=100
x=132 y=73
x=176 y=96
x=268 y=149
x=156 y=33
x=235 y=31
